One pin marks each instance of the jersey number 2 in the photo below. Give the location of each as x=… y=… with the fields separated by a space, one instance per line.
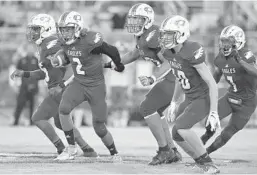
x=182 y=79
x=78 y=67
x=231 y=82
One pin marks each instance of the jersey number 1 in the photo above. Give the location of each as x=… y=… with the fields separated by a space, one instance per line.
x=78 y=67
x=231 y=82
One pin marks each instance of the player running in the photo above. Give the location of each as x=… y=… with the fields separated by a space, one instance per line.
x=187 y=61
x=42 y=31
x=238 y=65
x=140 y=23
x=84 y=53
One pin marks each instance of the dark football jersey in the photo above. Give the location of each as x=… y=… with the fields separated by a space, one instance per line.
x=182 y=65
x=87 y=67
x=48 y=47
x=148 y=46
x=242 y=84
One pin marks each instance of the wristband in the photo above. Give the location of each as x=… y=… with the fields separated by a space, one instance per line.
x=26 y=74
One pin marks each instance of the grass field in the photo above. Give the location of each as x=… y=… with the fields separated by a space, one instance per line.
x=27 y=150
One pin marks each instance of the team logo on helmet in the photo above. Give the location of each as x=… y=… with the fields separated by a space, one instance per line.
x=148 y=10
x=77 y=17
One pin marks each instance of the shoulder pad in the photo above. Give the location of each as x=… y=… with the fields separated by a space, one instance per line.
x=94 y=38
x=152 y=38
x=193 y=52
x=51 y=45
x=247 y=55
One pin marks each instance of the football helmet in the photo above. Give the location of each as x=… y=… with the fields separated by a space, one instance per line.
x=139 y=18
x=69 y=26
x=40 y=27
x=231 y=37
x=174 y=30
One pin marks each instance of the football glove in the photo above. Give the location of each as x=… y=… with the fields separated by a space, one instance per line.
x=171 y=117
x=147 y=81
x=119 y=67
x=213 y=121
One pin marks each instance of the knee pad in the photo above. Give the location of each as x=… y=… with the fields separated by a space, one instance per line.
x=146 y=109
x=162 y=109
x=65 y=108
x=228 y=132
x=100 y=128
x=175 y=135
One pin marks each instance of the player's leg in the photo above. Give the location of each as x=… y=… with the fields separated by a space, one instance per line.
x=164 y=90
x=88 y=151
x=31 y=99
x=240 y=117
x=224 y=109
x=97 y=101
x=187 y=139
x=156 y=99
x=47 y=109
x=72 y=96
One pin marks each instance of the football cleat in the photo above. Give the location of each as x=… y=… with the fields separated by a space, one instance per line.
x=116 y=158
x=207 y=166
x=176 y=158
x=90 y=152
x=162 y=157
x=69 y=153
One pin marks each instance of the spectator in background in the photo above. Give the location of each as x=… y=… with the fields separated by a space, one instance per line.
x=29 y=87
x=119 y=18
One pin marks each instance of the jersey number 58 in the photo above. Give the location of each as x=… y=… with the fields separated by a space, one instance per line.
x=180 y=75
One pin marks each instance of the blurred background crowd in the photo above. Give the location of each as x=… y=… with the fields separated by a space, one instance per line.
x=207 y=19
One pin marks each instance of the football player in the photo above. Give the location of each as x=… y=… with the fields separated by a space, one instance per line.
x=238 y=65
x=84 y=53
x=187 y=61
x=139 y=22
x=41 y=30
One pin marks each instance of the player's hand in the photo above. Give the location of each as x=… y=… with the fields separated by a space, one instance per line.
x=171 y=112
x=55 y=90
x=213 y=121
x=119 y=67
x=146 y=81
x=17 y=73
x=236 y=55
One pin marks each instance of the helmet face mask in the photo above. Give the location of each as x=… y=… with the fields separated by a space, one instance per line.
x=67 y=33
x=227 y=45
x=40 y=27
x=33 y=33
x=140 y=18
x=168 y=39
x=135 y=24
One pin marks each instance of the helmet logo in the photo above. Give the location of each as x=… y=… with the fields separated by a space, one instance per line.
x=180 y=23
x=44 y=19
x=77 y=18
x=148 y=10
x=239 y=34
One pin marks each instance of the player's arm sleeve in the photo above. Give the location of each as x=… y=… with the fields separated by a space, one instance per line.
x=197 y=55
x=109 y=50
x=206 y=75
x=36 y=74
x=249 y=63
